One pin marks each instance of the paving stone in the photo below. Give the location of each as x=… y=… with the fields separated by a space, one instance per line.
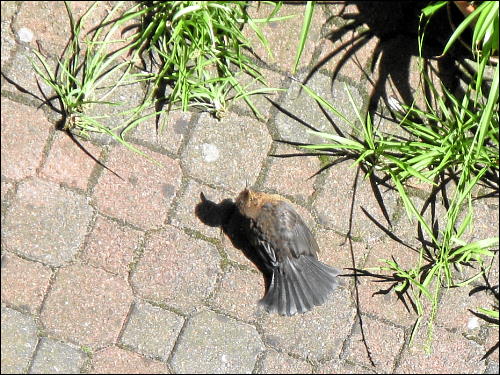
x=8 y=40
x=214 y=344
x=111 y=246
x=46 y=222
x=416 y=183
x=239 y=293
x=280 y=363
x=292 y=175
x=54 y=357
x=456 y=307
x=338 y=366
x=151 y=330
x=305 y=334
x=8 y=12
x=228 y=153
x=384 y=342
x=146 y=185
x=360 y=53
x=301 y=105
x=175 y=129
x=335 y=250
x=280 y=33
x=485 y=220
x=119 y=361
x=450 y=352
x=24 y=134
x=334 y=210
x=37 y=17
x=68 y=164
x=94 y=315
x=21 y=78
x=24 y=283
x=492 y=367
x=169 y=258
x=206 y=218
x=372 y=296
x=18 y=341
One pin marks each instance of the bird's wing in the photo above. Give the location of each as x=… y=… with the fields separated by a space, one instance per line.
x=289 y=232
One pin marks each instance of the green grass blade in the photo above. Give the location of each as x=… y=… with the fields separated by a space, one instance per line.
x=306 y=25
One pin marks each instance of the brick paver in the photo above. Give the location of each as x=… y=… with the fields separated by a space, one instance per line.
x=111 y=246
x=24 y=283
x=293 y=175
x=18 y=341
x=55 y=357
x=385 y=343
x=117 y=360
x=228 y=153
x=24 y=133
x=147 y=185
x=103 y=275
x=46 y=222
x=448 y=352
x=279 y=363
x=165 y=271
x=151 y=330
x=239 y=293
x=170 y=138
x=213 y=343
x=306 y=336
x=68 y=164
x=87 y=306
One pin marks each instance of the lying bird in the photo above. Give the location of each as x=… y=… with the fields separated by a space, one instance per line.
x=288 y=252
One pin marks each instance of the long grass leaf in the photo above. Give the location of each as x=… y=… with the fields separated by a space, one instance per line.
x=306 y=25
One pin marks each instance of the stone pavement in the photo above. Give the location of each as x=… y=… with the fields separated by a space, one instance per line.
x=108 y=276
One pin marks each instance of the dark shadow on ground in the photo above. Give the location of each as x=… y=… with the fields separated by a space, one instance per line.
x=395 y=27
x=226 y=216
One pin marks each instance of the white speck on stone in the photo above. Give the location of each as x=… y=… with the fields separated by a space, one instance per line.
x=473 y=322
x=224 y=358
x=209 y=152
x=25 y=34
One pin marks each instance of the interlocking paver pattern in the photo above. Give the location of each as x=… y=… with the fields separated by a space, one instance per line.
x=140 y=275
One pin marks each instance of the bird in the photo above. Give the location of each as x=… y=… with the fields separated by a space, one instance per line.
x=288 y=253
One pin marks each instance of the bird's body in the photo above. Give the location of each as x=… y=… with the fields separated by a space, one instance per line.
x=288 y=251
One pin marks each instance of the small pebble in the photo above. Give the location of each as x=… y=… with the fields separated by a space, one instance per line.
x=210 y=152
x=25 y=35
x=473 y=323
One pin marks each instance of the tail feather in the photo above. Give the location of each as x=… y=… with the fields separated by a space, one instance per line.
x=292 y=301
x=298 y=285
x=304 y=286
x=303 y=292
